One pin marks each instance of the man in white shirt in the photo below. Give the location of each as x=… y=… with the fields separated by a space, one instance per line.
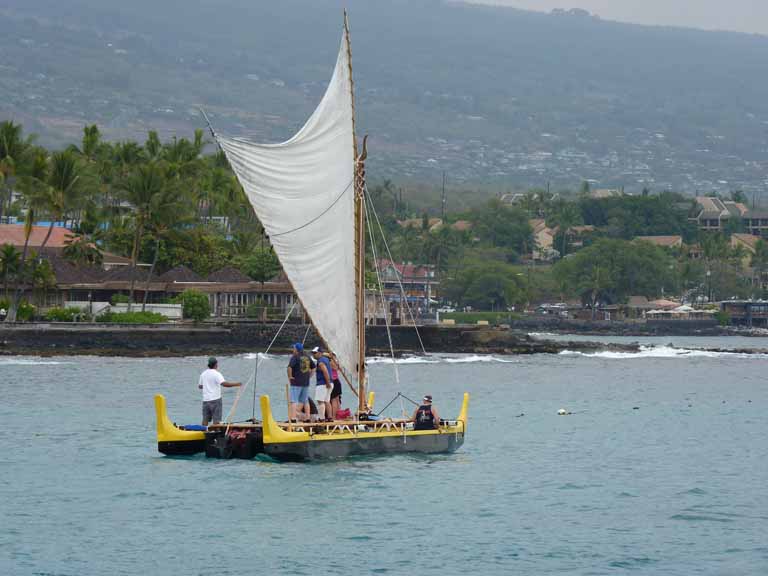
x=210 y=383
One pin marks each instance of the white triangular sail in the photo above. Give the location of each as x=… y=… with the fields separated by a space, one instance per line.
x=302 y=191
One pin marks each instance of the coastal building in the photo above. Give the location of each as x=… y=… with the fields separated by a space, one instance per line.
x=713 y=215
x=418 y=223
x=58 y=240
x=637 y=307
x=391 y=309
x=662 y=241
x=544 y=240
x=749 y=313
x=602 y=193
x=756 y=223
x=577 y=235
x=230 y=293
x=14 y=235
x=664 y=304
x=683 y=312
x=419 y=282
x=462 y=226
x=748 y=245
x=515 y=197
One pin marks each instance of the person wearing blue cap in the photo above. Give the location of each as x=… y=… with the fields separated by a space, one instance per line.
x=299 y=372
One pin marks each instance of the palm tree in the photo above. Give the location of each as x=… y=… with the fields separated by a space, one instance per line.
x=566 y=216
x=91 y=141
x=43 y=279
x=595 y=284
x=153 y=146
x=54 y=187
x=10 y=258
x=82 y=252
x=245 y=241
x=528 y=203
x=167 y=209
x=183 y=156
x=760 y=262
x=127 y=155
x=62 y=189
x=28 y=222
x=141 y=190
x=13 y=152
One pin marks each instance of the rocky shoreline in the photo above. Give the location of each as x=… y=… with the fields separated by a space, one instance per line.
x=56 y=339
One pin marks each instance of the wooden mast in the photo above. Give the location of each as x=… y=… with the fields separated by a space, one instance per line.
x=359 y=178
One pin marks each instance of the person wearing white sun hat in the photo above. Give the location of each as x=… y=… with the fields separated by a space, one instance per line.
x=324 y=384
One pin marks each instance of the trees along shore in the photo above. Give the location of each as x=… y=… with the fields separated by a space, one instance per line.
x=482 y=254
x=167 y=203
x=171 y=203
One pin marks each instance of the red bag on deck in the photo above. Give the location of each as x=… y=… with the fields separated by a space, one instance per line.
x=343 y=414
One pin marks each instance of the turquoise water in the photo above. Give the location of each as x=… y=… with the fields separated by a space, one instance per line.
x=678 y=486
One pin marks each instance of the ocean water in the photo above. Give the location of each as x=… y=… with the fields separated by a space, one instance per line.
x=662 y=468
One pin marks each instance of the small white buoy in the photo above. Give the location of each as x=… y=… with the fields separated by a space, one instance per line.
x=562 y=412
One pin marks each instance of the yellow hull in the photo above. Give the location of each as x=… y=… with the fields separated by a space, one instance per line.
x=344 y=439
x=171 y=439
x=309 y=442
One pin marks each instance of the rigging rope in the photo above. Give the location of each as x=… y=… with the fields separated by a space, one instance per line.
x=411 y=401
x=381 y=293
x=259 y=358
x=399 y=396
x=399 y=280
x=316 y=218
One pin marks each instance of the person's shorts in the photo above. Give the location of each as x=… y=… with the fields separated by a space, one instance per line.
x=299 y=394
x=336 y=392
x=212 y=411
x=322 y=394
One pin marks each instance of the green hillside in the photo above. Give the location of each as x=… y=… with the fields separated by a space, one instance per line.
x=494 y=96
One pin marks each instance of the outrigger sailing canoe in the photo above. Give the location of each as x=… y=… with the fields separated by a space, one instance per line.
x=310 y=195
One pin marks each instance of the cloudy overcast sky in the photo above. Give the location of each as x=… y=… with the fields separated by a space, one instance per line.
x=740 y=15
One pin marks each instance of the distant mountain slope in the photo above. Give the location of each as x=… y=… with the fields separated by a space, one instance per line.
x=491 y=95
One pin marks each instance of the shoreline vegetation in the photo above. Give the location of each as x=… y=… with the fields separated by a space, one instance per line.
x=64 y=339
x=170 y=204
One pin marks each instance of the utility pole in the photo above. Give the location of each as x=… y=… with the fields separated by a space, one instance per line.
x=440 y=245
x=443 y=197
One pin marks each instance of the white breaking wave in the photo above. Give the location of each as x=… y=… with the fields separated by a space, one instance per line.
x=406 y=360
x=20 y=362
x=477 y=358
x=661 y=352
x=253 y=356
x=430 y=359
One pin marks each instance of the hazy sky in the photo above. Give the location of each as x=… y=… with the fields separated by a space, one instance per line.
x=741 y=15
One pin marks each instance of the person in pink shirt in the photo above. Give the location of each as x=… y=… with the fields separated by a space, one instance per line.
x=336 y=392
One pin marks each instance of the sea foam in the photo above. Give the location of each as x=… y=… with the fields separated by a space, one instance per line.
x=432 y=359
x=30 y=362
x=661 y=352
